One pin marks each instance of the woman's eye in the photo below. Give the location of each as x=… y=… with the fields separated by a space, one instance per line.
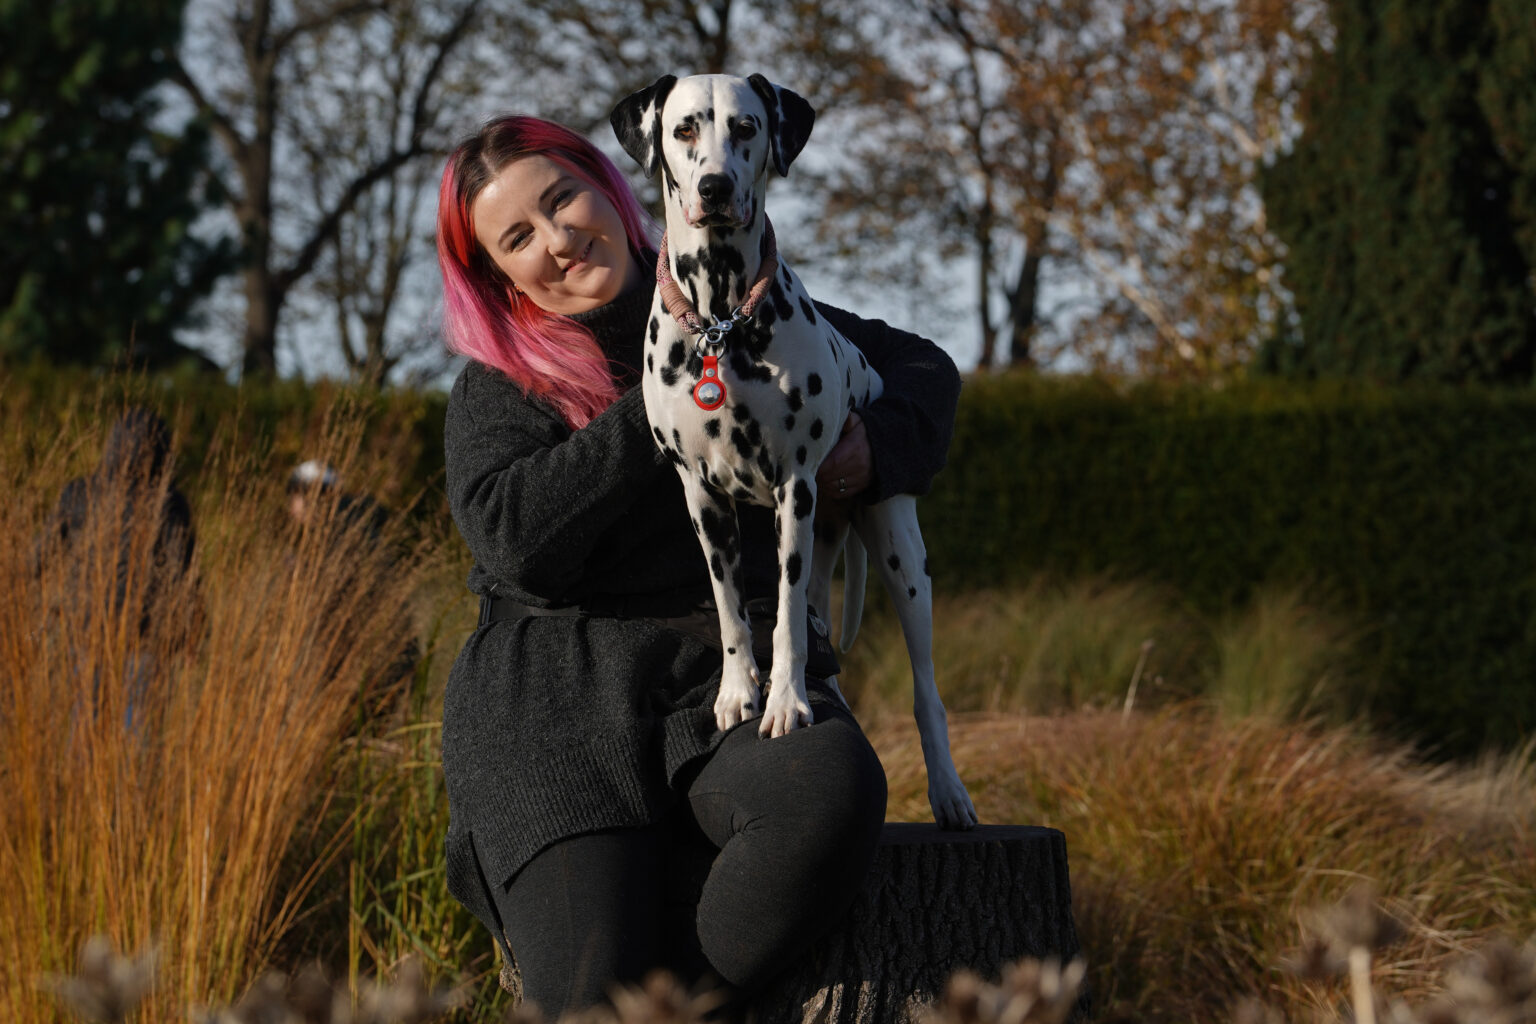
x=561 y=198
x=517 y=241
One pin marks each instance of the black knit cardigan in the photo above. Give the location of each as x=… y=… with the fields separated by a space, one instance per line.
x=558 y=726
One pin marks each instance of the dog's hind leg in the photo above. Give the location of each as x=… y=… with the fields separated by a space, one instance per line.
x=891 y=533
x=855 y=579
x=831 y=534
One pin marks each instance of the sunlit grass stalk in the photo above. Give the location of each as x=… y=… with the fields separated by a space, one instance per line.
x=173 y=828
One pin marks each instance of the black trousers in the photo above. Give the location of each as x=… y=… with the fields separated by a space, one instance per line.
x=766 y=853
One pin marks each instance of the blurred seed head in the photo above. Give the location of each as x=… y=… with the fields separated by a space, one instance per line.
x=106 y=986
x=310 y=998
x=408 y=999
x=1497 y=985
x=1315 y=961
x=1252 y=1011
x=265 y=1002
x=524 y=1013
x=660 y=999
x=1358 y=921
x=1031 y=992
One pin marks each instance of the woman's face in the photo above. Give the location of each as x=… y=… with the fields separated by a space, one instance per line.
x=557 y=238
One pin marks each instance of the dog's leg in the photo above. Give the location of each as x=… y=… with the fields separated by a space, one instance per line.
x=855 y=579
x=891 y=533
x=714 y=518
x=787 y=708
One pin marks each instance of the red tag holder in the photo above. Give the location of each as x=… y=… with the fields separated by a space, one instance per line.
x=709 y=392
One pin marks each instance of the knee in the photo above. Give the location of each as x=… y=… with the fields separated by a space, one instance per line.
x=849 y=777
x=844 y=797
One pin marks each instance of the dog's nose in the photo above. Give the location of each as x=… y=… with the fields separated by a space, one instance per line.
x=715 y=190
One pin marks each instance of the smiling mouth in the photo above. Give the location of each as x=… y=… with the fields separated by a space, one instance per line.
x=581 y=260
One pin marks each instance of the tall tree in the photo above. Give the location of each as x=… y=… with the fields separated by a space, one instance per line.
x=1093 y=160
x=1406 y=203
x=99 y=185
x=372 y=278
x=1507 y=95
x=263 y=82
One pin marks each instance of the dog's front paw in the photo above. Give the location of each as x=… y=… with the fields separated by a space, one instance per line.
x=787 y=710
x=952 y=807
x=739 y=699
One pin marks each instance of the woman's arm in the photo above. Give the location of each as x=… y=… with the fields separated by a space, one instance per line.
x=909 y=426
x=532 y=498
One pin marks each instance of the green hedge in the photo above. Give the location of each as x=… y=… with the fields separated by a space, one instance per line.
x=279 y=422
x=1413 y=509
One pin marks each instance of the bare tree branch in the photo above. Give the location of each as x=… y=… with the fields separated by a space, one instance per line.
x=421 y=122
x=224 y=128
x=324 y=19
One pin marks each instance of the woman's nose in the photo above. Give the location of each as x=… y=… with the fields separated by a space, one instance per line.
x=561 y=238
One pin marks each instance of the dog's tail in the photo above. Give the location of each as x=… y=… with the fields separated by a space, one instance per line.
x=855 y=576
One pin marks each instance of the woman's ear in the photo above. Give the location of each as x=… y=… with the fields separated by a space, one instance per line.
x=637 y=123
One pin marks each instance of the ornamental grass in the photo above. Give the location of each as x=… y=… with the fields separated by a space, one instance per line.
x=245 y=797
x=169 y=740
x=1199 y=844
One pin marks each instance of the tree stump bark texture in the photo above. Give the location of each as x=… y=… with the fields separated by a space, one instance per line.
x=935 y=902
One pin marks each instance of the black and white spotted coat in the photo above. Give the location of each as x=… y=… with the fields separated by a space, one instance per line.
x=790 y=380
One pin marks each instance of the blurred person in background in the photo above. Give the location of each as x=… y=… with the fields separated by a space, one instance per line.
x=313 y=482
x=349 y=529
x=124 y=536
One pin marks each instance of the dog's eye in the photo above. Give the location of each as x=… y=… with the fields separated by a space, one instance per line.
x=685 y=133
x=744 y=131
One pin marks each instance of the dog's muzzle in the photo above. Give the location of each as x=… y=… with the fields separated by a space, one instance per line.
x=715 y=193
x=717 y=202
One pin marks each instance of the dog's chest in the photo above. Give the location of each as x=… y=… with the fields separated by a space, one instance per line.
x=787 y=392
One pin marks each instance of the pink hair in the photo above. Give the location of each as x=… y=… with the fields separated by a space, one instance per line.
x=550 y=356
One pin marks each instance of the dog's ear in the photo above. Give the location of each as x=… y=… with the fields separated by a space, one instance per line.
x=637 y=122
x=790 y=119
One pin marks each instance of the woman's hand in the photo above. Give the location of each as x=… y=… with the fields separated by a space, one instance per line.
x=848 y=468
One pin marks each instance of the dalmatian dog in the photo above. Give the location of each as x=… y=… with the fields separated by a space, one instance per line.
x=746 y=389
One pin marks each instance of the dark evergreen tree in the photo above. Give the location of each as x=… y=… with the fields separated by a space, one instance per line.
x=1508 y=95
x=97 y=191
x=1405 y=205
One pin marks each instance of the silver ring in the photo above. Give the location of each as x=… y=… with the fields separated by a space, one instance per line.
x=842 y=485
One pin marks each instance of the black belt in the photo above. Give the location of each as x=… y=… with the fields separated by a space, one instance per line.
x=494 y=608
x=701 y=622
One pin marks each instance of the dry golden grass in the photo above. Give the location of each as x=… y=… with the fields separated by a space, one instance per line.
x=1197 y=844
x=267 y=804
x=170 y=826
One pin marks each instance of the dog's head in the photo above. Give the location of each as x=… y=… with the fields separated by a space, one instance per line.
x=713 y=138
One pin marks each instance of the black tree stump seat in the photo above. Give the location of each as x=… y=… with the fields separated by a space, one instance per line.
x=935 y=902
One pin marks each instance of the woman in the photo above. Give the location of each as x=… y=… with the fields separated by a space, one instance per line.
x=585 y=774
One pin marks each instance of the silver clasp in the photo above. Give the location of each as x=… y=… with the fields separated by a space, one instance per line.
x=713 y=336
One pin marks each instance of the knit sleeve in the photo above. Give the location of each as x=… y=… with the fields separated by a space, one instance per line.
x=909 y=426
x=531 y=497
